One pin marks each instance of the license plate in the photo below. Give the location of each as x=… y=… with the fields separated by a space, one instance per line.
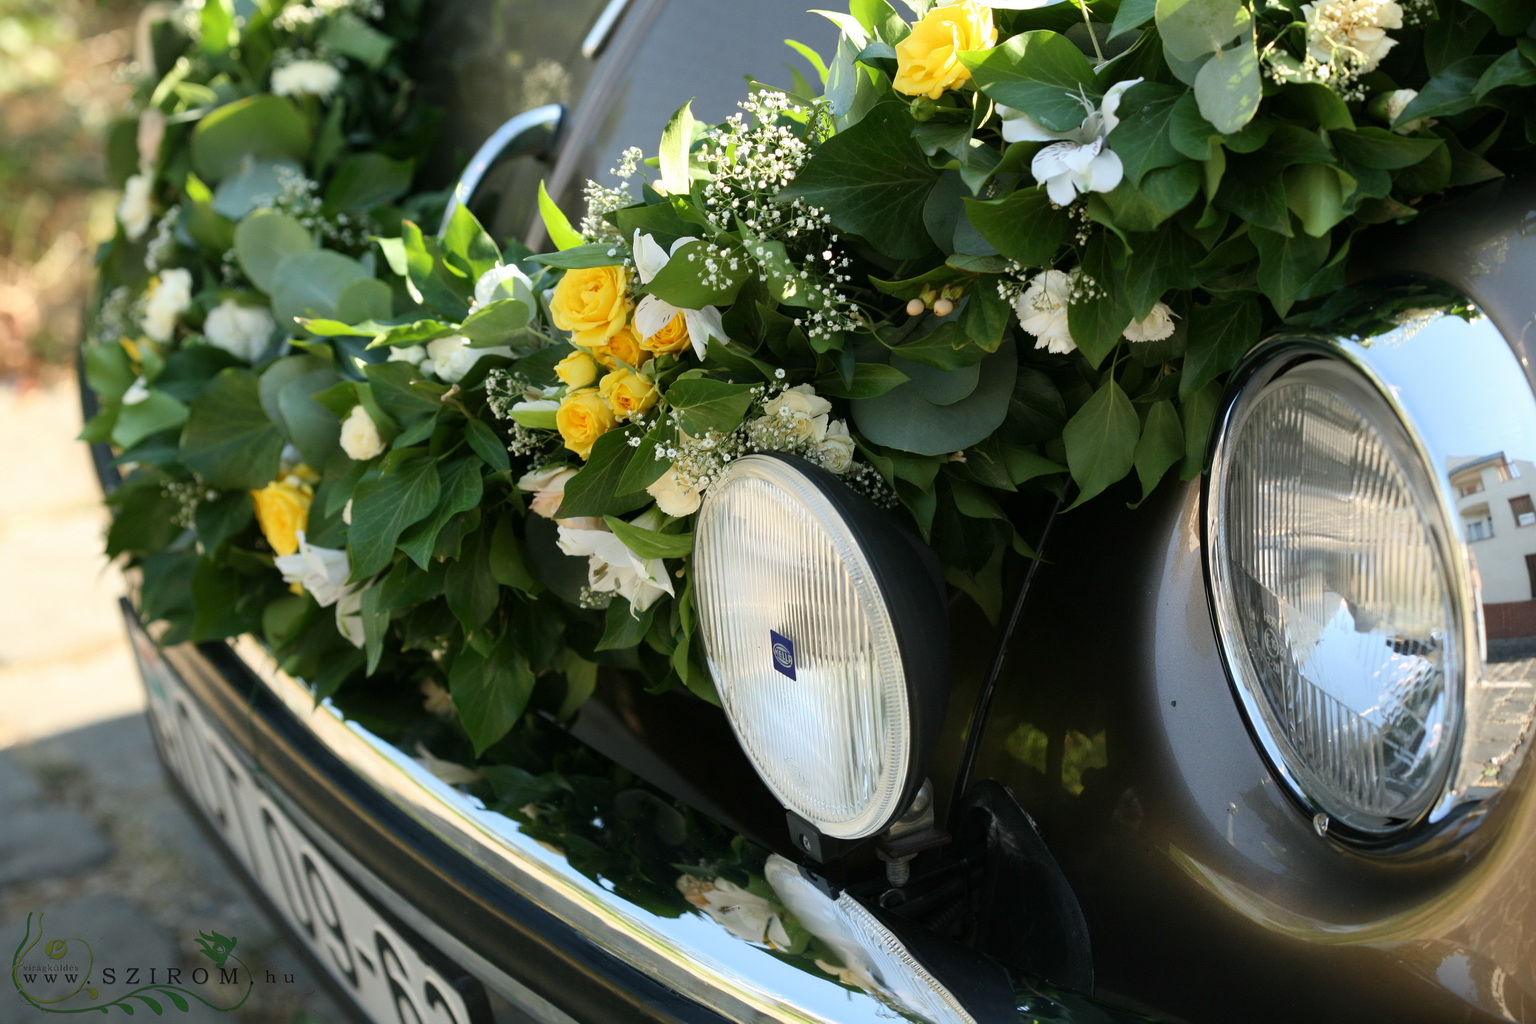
x=366 y=954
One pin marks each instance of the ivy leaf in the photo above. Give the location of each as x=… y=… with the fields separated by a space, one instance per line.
x=645 y=468
x=382 y=507
x=1316 y=194
x=1160 y=447
x=461 y=487
x=595 y=490
x=495 y=322
x=492 y=451
x=1041 y=73
x=490 y=693
x=466 y=245
x=1383 y=149
x=1286 y=264
x=263 y=127
x=1132 y=15
x=1101 y=440
x=470 y=590
x=400 y=394
x=1023 y=226
x=156 y=413
x=1510 y=17
x=1219 y=333
x=228 y=439
x=442 y=289
x=1143 y=138
x=365 y=180
x=688 y=282
x=1098 y=323
x=507 y=564
x=874 y=179
x=650 y=543
x=705 y=404
x=580 y=257
x=1451 y=91
x=1199 y=413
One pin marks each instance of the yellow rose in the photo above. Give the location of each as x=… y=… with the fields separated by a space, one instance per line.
x=928 y=60
x=577 y=370
x=282 y=510
x=621 y=348
x=592 y=304
x=583 y=418
x=628 y=393
x=670 y=340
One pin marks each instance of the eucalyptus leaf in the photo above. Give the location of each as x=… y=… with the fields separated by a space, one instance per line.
x=260 y=127
x=310 y=284
x=264 y=240
x=903 y=419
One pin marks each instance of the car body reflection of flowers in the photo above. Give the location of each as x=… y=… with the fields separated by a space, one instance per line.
x=742 y=912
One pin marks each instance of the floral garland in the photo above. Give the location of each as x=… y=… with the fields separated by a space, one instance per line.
x=999 y=249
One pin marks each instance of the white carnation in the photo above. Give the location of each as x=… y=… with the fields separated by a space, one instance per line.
x=360 y=435
x=1042 y=310
x=242 y=331
x=1351 y=32
x=169 y=297
x=306 y=77
x=321 y=571
x=134 y=209
x=1155 y=326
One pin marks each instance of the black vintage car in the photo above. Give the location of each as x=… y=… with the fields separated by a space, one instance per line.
x=1253 y=751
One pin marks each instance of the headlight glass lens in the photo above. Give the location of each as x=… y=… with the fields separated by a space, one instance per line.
x=1331 y=580
x=802 y=648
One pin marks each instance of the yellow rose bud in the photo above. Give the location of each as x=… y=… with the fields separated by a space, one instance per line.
x=583 y=418
x=622 y=347
x=282 y=510
x=928 y=60
x=628 y=393
x=670 y=340
x=593 y=304
x=577 y=370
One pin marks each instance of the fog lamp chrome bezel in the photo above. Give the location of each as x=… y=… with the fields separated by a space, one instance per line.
x=902 y=595
x=1350 y=366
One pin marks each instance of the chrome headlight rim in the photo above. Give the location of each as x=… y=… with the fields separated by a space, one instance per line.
x=1265 y=364
x=903 y=577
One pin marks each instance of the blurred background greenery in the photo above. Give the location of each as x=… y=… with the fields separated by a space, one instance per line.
x=63 y=68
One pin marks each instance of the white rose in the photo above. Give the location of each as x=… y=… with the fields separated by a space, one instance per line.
x=548 y=487
x=503 y=283
x=452 y=357
x=1352 y=33
x=802 y=400
x=306 y=77
x=169 y=297
x=321 y=571
x=349 y=616
x=835 y=450
x=413 y=354
x=795 y=417
x=1155 y=326
x=1042 y=310
x=242 y=331
x=673 y=496
x=360 y=435
x=134 y=209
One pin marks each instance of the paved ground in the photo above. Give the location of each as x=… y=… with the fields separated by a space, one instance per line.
x=90 y=834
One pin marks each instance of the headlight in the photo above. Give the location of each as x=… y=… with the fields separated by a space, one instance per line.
x=1335 y=584
x=827 y=639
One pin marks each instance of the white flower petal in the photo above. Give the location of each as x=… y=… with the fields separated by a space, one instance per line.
x=652 y=314
x=649 y=256
x=703 y=324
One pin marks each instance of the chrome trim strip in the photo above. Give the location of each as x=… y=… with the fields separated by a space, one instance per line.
x=690 y=954
x=530 y=133
x=1448 y=381
x=602 y=28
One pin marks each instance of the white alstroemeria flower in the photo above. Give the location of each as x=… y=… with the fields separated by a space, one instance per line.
x=137 y=392
x=743 y=913
x=135 y=209
x=1079 y=160
x=169 y=297
x=612 y=568
x=306 y=77
x=1155 y=326
x=242 y=331
x=1042 y=310
x=503 y=282
x=548 y=488
x=321 y=571
x=1351 y=33
x=654 y=312
x=349 y=616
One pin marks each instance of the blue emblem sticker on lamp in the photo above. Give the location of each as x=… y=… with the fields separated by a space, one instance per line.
x=783 y=653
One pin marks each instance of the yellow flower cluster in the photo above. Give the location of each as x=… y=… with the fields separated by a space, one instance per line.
x=593 y=304
x=928 y=59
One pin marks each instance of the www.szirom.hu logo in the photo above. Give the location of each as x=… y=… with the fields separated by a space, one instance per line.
x=62 y=969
